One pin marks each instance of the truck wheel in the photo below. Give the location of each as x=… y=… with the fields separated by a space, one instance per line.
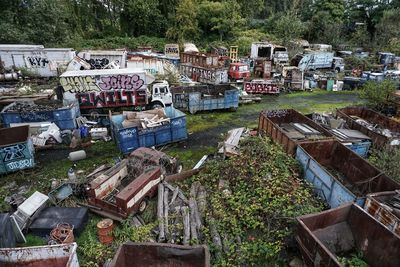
x=143 y=205
x=178 y=167
x=156 y=105
x=94 y=114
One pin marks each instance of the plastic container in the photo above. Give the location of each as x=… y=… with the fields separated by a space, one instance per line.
x=77 y=155
x=104 y=230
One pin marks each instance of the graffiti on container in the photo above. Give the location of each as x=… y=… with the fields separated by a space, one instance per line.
x=21 y=164
x=276 y=113
x=128 y=133
x=171 y=50
x=261 y=88
x=121 y=82
x=112 y=98
x=177 y=122
x=206 y=75
x=98 y=63
x=32 y=116
x=37 y=62
x=77 y=84
x=13 y=152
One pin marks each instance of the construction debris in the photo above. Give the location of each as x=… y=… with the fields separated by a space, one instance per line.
x=145 y=119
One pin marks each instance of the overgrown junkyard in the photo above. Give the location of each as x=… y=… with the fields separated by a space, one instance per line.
x=197 y=159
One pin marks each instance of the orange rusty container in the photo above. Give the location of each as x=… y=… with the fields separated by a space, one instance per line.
x=104 y=230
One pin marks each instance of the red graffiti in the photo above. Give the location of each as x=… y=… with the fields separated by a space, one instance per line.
x=121 y=82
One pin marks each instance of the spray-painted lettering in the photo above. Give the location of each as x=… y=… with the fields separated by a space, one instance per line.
x=34 y=116
x=113 y=98
x=98 y=63
x=13 y=152
x=37 y=62
x=121 y=82
x=79 y=84
x=261 y=88
x=21 y=164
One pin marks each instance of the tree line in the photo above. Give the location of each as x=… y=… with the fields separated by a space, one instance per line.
x=372 y=24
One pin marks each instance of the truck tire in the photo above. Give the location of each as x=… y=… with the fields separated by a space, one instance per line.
x=143 y=205
x=156 y=105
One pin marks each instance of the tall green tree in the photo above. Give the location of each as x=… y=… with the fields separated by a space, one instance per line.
x=388 y=31
x=142 y=18
x=220 y=18
x=184 y=26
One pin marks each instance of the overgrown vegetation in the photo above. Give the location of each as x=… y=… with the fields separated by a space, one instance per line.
x=378 y=94
x=355 y=260
x=371 y=24
x=387 y=159
x=255 y=213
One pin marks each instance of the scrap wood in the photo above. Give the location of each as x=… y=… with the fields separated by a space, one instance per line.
x=166 y=210
x=186 y=225
x=160 y=212
x=180 y=194
x=231 y=143
x=181 y=176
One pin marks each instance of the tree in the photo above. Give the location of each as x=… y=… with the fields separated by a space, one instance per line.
x=222 y=18
x=185 y=25
x=378 y=94
x=142 y=18
x=287 y=27
x=388 y=31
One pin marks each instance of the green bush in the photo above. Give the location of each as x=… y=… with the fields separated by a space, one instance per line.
x=378 y=94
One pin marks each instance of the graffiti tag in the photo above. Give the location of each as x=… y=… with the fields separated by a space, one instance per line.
x=121 y=82
x=13 y=152
x=21 y=164
x=32 y=116
x=128 y=133
x=112 y=98
x=37 y=62
x=79 y=84
x=98 y=63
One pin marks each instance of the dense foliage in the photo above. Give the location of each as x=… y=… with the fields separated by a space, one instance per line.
x=378 y=94
x=255 y=210
x=370 y=23
x=387 y=159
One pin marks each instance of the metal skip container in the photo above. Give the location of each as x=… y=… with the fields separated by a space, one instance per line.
x=324 y=236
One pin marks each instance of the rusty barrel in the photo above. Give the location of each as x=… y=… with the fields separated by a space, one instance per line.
x=104 y=230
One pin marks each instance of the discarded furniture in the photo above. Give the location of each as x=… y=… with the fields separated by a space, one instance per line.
x=16 y=149
x=385 y=207
x=380 y=128
x=63 y=255
x=339 y=175
x=51 y=216
x=280 y=125
x=130 y=138
x=205 y=97
x=63 y=117
x=160 y=254
x=324 y=236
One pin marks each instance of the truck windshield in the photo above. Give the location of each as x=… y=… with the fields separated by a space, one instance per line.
x=243 y=68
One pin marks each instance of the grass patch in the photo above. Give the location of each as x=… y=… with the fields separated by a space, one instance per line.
x=32 y=240
x=189 y=157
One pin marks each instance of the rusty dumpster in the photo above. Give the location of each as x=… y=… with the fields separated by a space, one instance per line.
x=385 y=207
x=63 y=255
x=161 y=255
x=339 y=175
x=380 y=128
x=278 y=124
x=325 y=236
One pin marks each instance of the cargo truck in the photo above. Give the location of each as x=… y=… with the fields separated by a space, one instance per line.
x=96 y=90
x=318 y=60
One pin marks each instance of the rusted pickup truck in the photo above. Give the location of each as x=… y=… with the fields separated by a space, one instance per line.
x=125 y=188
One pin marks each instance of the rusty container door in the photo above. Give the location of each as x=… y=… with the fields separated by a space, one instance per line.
x=384 y=206
x=324 y=236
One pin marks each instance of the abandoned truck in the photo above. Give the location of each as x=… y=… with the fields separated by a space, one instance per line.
x=318 y=60
x=112 y=88
x=125 y=188
x=205 y=97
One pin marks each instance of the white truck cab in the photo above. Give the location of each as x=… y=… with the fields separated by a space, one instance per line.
x=160 y=94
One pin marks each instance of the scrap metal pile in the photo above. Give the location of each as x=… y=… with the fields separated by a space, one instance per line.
x=27 y=107
x=376 y=128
